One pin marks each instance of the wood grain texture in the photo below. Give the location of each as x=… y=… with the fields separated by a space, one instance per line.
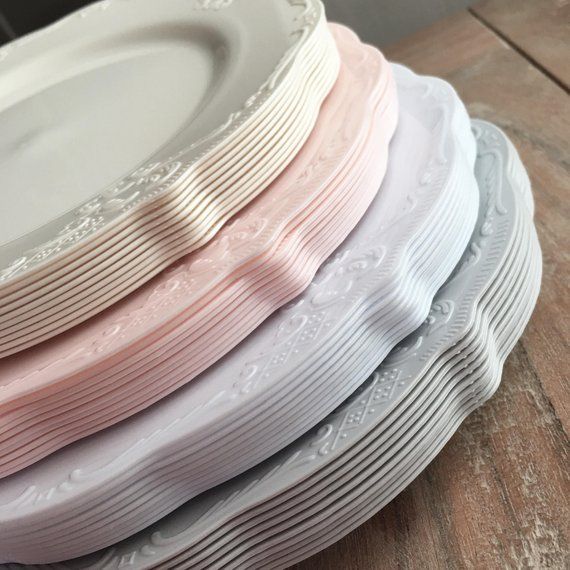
x=497 y=497
x=541 y=28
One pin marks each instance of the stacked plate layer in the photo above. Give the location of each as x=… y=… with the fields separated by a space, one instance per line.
x=341 y=472
x=238 y=117
x=267 y=393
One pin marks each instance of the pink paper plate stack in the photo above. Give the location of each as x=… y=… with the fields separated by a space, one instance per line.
x=222 y=217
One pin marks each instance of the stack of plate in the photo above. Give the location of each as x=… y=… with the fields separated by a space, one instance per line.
x=226 y=446
x=226 y=117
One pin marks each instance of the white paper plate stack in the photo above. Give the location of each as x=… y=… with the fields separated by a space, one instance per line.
x=333 y=404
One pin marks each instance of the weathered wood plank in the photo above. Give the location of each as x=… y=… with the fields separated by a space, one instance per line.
x=540 y=28
x=497 y=495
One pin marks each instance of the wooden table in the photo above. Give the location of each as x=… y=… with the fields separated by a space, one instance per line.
x=497 y=496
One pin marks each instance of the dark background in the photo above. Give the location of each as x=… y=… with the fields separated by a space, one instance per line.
x=380 y=22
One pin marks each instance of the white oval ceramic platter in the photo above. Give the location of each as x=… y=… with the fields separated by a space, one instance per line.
x=214 y=298
x=296 y=368
x=341 y=472
x=209 y=167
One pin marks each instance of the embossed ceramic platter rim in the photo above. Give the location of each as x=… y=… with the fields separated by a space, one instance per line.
x=304 y=16
x=387 y=128
x=319 y=77
x=260 y=123
x=527 y=303
x=459 y=222
x=141 y=556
